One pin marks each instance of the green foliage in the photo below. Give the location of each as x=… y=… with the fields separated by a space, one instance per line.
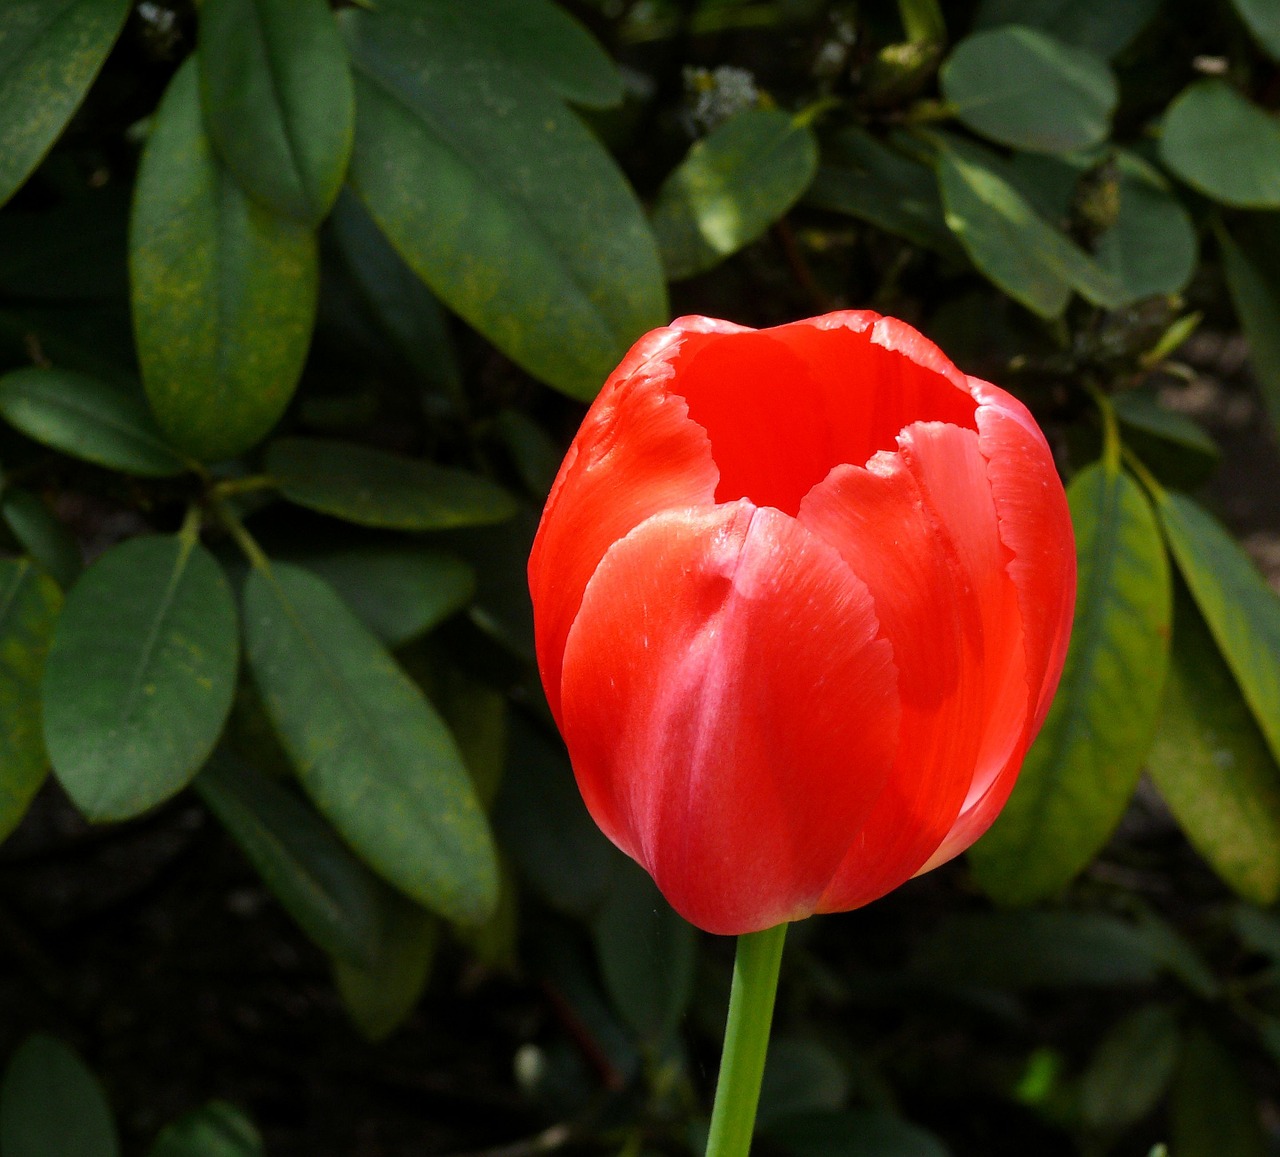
x=51 y=1103
x=299 y=303
x=1082 y=769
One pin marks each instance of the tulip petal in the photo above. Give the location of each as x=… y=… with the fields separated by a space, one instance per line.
x=876 y=376
x=730 y=711
x=1035 y=526
x=879 y=521
x=636 y=453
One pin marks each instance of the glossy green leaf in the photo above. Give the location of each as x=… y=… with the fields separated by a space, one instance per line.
x=332 y=895
x=88 y=419
x=1212 y=766
x=1213 y=1111
x=214 y=1130
x=398 y=591
x=278 y=100
x=51 y=1103
x=1101 y=26
x=464 y=165
x=376 y=488
x=732 y=185
x=1140 y=410
x=1023 y=88
x=647 y=955
x=535 y=37
x=405 y=309
x=368 y=747
x=1083 y=767
x=1242 y=611
x=1263 y=19
x=382 y=994
x=1019 y=950
x=50 y=52
x=546 y=829
x=1255 y=293
x=224 y=291
x=1131 y=1069
x=854 y=1133
x=42 y=535
x=874 y=182
x=1151 y=249
x=29 y=605
x=1222 y=144
x=1009 y=242
x=140 y=676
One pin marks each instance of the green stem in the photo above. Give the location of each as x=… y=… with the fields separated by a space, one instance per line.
x=746 y=1038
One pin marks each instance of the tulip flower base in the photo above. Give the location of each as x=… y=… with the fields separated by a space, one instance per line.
x=746 y=1041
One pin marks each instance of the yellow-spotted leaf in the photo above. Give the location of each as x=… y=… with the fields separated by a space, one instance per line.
x=223 y=290
x=369 y=749
x=140 y=675
x=29 y=605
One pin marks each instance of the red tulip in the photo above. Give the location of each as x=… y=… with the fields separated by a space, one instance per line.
x=802 y=598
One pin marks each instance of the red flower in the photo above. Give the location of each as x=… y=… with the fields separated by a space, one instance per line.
x=802 y=598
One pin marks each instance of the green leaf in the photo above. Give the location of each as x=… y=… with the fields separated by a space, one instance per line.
x=1223 y=145
x=1083 y=767
x=332 y=895
x=88 y=419
x=278 y=100
x=51 y=1103
x=140 y=676
x=42 y=535
x=1263 y=19
x=870 y=180
x=1019 y=950
x=1009 y=242
x=1023 y=88
x=1131 y=1069
x=546 y=829
x=1258 y=931
x=405 y=309
x=1151 y=249
x=29 y=605
x=464 y=166
x=368 y=747
x=1211 y=765
x=398 y=591
x=800 y=1076
x=50 y=52
x=477 y=717
x=854 y=1133
x=1212 y=1109
x=1242 y=611
x=647 y=955
x=224 y=291
x=533 y=453
x=380 y=996
x=216 y=1129
x=1101 y=26
x=535 y=37
x=1140 y=410
x=375 y=488
x=731 y=187
x=1255 y=293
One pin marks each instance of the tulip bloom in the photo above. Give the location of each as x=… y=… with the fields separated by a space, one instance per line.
x=802 y=597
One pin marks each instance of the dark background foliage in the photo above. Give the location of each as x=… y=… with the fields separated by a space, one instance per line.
x=299 y=307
